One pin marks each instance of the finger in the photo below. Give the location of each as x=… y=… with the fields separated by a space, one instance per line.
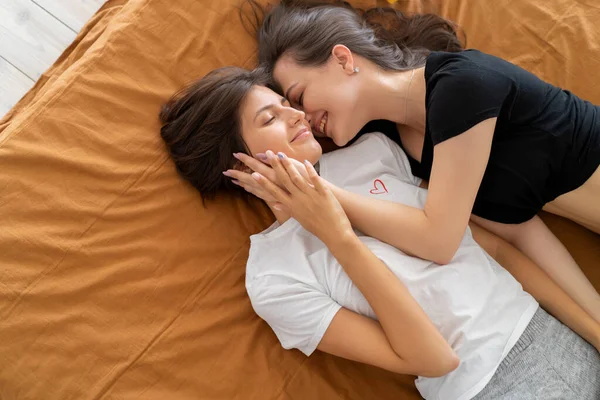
x=275 y=191
x=235 y=174
x=260 y=193
x=315 y=179
x=282 y=175
x=241 y=176
x=255 y=165
x=262 y=157
x=294 y=174
x=252 y=191
x=249 y=189
x=249 y=184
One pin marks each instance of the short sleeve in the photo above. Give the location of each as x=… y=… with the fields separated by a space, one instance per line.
x=298 y=313
x=462 y=95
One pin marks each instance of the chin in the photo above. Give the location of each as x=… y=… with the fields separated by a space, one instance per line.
x=314 y=153
x=340 y=142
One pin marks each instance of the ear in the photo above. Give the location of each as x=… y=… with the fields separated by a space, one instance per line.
x=343 y=57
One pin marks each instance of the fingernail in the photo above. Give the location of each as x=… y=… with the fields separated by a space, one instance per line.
x=270 y=154
x=236 y=155
x=307 y=162
x=236 y=182
x=256 y=175
x=261 y=156
x=278 y=208
x=227 y=173
x=281 y=155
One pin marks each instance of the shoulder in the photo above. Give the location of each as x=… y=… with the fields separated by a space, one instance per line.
x=298 y=313
x=464 y=89
x=365 y=151
x=378 y=148
x=274 y=285
x=272 y=249
x=376 y=140
x=466 y=60
x=470 y=73
x=277 y=261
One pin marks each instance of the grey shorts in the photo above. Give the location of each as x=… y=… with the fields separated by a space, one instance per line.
x=549 y=362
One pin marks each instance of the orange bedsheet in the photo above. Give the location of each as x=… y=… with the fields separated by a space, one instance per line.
x=115 y=282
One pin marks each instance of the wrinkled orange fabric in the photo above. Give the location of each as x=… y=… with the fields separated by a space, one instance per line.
x=115 y=282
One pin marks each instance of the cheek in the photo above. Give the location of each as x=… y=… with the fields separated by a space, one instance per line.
x=348 y=117
x=309 y=150
x=273 y=137
x=253 y=144
x=338 y=98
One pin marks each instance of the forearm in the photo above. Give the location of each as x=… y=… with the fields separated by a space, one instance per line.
x=537 y=283
x=538 y=243
x=409 y=330
x=407 y=228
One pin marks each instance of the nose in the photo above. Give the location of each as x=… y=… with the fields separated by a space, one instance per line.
x=296 y=116
x=310 y=118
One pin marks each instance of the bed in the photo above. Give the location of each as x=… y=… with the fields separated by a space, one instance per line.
x=116 y=282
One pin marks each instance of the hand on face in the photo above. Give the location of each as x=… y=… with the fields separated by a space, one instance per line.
x=269 y=122
x=307 y=198
x=246 y=181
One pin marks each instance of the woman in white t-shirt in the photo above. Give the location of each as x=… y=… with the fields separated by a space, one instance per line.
x=467 y=329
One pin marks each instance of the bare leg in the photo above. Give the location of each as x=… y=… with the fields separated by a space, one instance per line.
x=581 y=205
x=537 y=242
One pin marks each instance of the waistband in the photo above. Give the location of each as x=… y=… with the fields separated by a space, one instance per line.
x=537 y=326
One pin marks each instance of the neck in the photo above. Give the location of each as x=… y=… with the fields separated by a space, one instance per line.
x=397 y=96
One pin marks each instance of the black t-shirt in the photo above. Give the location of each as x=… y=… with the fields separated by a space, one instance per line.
x=546 y=141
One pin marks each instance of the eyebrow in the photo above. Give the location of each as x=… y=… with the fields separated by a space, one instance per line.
x=268 y=106
x=287 y=93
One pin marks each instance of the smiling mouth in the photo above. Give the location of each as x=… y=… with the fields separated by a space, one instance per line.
x=322 y=128
x=300 y=133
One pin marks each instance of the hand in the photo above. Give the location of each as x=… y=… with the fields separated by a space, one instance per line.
x=308 y=199
x=249 y=184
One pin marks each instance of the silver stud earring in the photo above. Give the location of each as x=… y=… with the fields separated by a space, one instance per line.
x=356 y=70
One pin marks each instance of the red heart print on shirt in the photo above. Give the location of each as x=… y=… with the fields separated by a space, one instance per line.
x=378 y=187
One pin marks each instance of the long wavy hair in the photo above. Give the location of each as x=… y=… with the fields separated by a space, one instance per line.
x=308 y=31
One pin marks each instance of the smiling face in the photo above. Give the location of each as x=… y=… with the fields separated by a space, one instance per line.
x=270 y=123
x=329 y=95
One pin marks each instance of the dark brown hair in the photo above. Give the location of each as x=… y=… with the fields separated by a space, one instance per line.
x=201 y=127
x=394 y=41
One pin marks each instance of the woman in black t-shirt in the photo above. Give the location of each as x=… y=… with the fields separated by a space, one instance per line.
x=495 y=143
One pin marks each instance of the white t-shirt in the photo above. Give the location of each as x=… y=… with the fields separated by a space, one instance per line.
x=297 y=286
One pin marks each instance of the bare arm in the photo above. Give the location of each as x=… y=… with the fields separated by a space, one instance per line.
x=403 y=330
x=369 y=344
x=537 y=283
x=418 y=346
x=435 y=232
x=538 y=243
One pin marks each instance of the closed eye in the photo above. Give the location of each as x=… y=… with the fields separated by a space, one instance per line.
x=269 y=121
